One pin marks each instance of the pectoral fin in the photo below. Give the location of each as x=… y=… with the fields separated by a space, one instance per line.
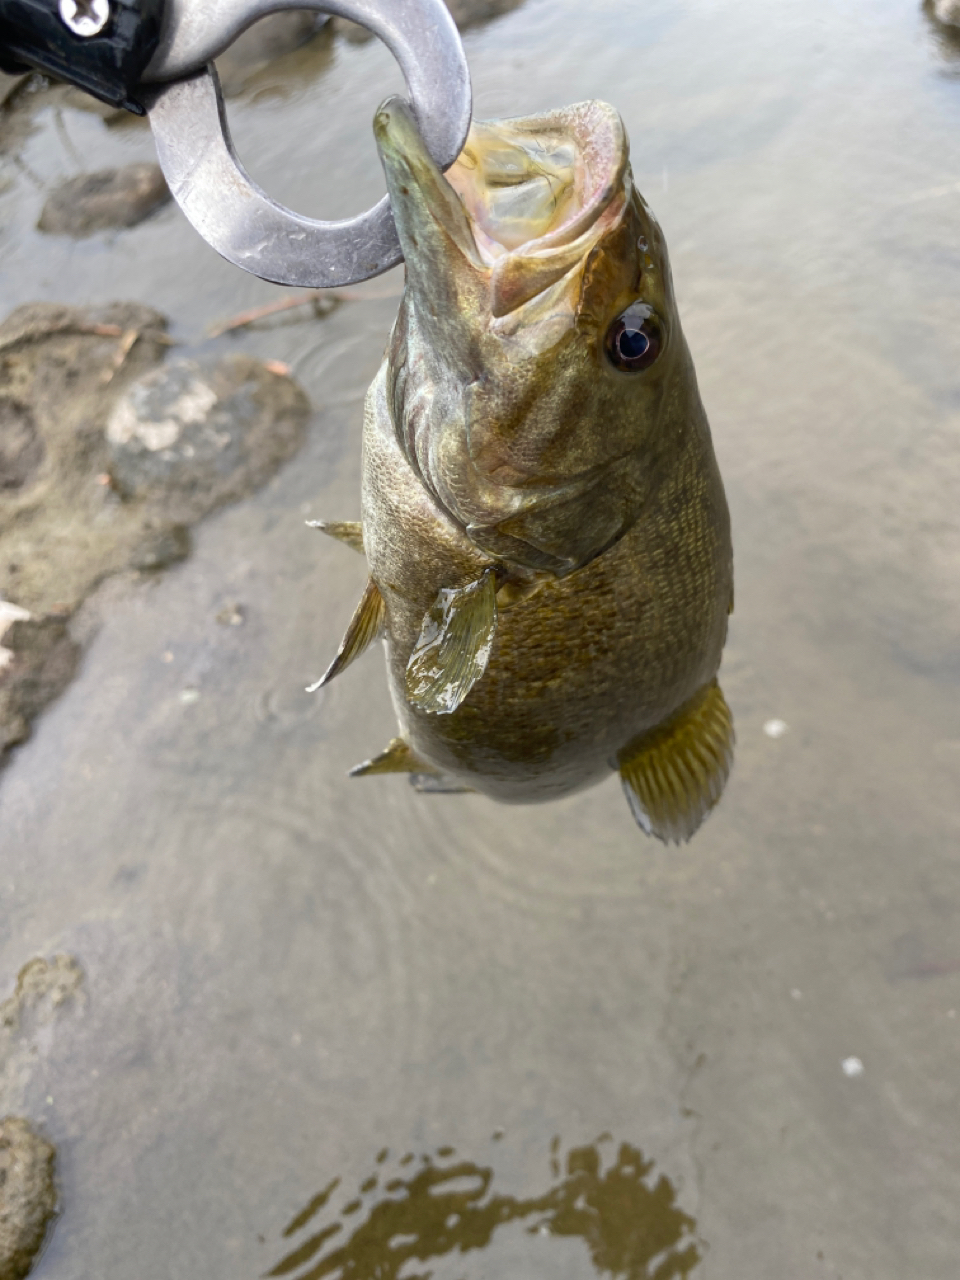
x=349 y=532
x=674 y=775
x=365 y=625
x=453 y=648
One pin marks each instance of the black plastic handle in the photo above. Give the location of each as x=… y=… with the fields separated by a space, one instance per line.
x=108 y=65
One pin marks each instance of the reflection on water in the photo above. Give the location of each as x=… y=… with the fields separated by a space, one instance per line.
x=437 y=1205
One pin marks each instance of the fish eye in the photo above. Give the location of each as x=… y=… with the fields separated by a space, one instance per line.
x=635 y=338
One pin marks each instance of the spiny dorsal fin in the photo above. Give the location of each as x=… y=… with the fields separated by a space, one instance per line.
x=453 y=648
x=674 y=775
x=397 y=758
x=365 y=625
x=347 y=531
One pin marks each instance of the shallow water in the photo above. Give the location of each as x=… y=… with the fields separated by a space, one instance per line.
x=287 y=972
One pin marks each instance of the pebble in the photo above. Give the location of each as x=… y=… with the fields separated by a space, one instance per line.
x=852 y=1067
x=775 y=728
x=104 y=200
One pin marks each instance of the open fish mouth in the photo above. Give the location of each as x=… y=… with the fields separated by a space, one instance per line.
x=535 y=184
x=522 y=204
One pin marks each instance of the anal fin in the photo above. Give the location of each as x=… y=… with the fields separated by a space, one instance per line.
x=399 y=757
x=675 y=774
x=365 y=625
x=453 y=647
x=349 y=532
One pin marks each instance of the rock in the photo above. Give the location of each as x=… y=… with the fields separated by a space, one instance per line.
x=100 y=201
x=266 y=40
x=161 y=548
x=947 y=12
x=352 y=32
x=465 y=13
x=189 y=437
x=43 y=988
x=28 y=1195
x=37 y=662
x=108 y=455
x=21 y=448
x=470 y=13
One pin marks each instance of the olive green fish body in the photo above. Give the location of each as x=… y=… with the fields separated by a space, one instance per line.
x=582 y=665
x=542 y=513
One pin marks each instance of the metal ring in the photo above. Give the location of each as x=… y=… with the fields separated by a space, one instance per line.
x=216 y=193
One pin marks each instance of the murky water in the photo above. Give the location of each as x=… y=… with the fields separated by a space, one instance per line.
x=287 y=972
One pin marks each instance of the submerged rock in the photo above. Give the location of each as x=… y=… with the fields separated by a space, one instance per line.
x=37 y=662
x=44 y=987
x=100 y=201
x=21 y=448
x=111 y=456
x=28 y=1195
x=266 y=40
x=469 y=13
x=465 y=13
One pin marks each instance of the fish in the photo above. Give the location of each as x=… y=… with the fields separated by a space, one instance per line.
x=542 y=513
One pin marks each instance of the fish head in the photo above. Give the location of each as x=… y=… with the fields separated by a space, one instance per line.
x=537 y=368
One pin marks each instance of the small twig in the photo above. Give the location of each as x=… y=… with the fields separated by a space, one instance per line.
x=124 y=347
x=314 y=297
x=114 y=331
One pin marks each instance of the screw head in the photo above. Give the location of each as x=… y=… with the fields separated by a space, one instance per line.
x=85 y=18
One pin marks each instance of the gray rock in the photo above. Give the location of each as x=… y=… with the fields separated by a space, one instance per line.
x=28 y=1195
x=191 y=436
x=107 y=457
x=99 y=201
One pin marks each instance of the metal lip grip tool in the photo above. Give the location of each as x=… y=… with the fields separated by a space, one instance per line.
x=155 y=55
x=211 y=186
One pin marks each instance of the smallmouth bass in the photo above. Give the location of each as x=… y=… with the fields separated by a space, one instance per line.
x=542 y=514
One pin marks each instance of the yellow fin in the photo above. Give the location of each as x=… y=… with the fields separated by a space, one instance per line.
x=346 y=531
x=397 y=758
x=365 y=625
x=674 y=775
x=453 y=647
